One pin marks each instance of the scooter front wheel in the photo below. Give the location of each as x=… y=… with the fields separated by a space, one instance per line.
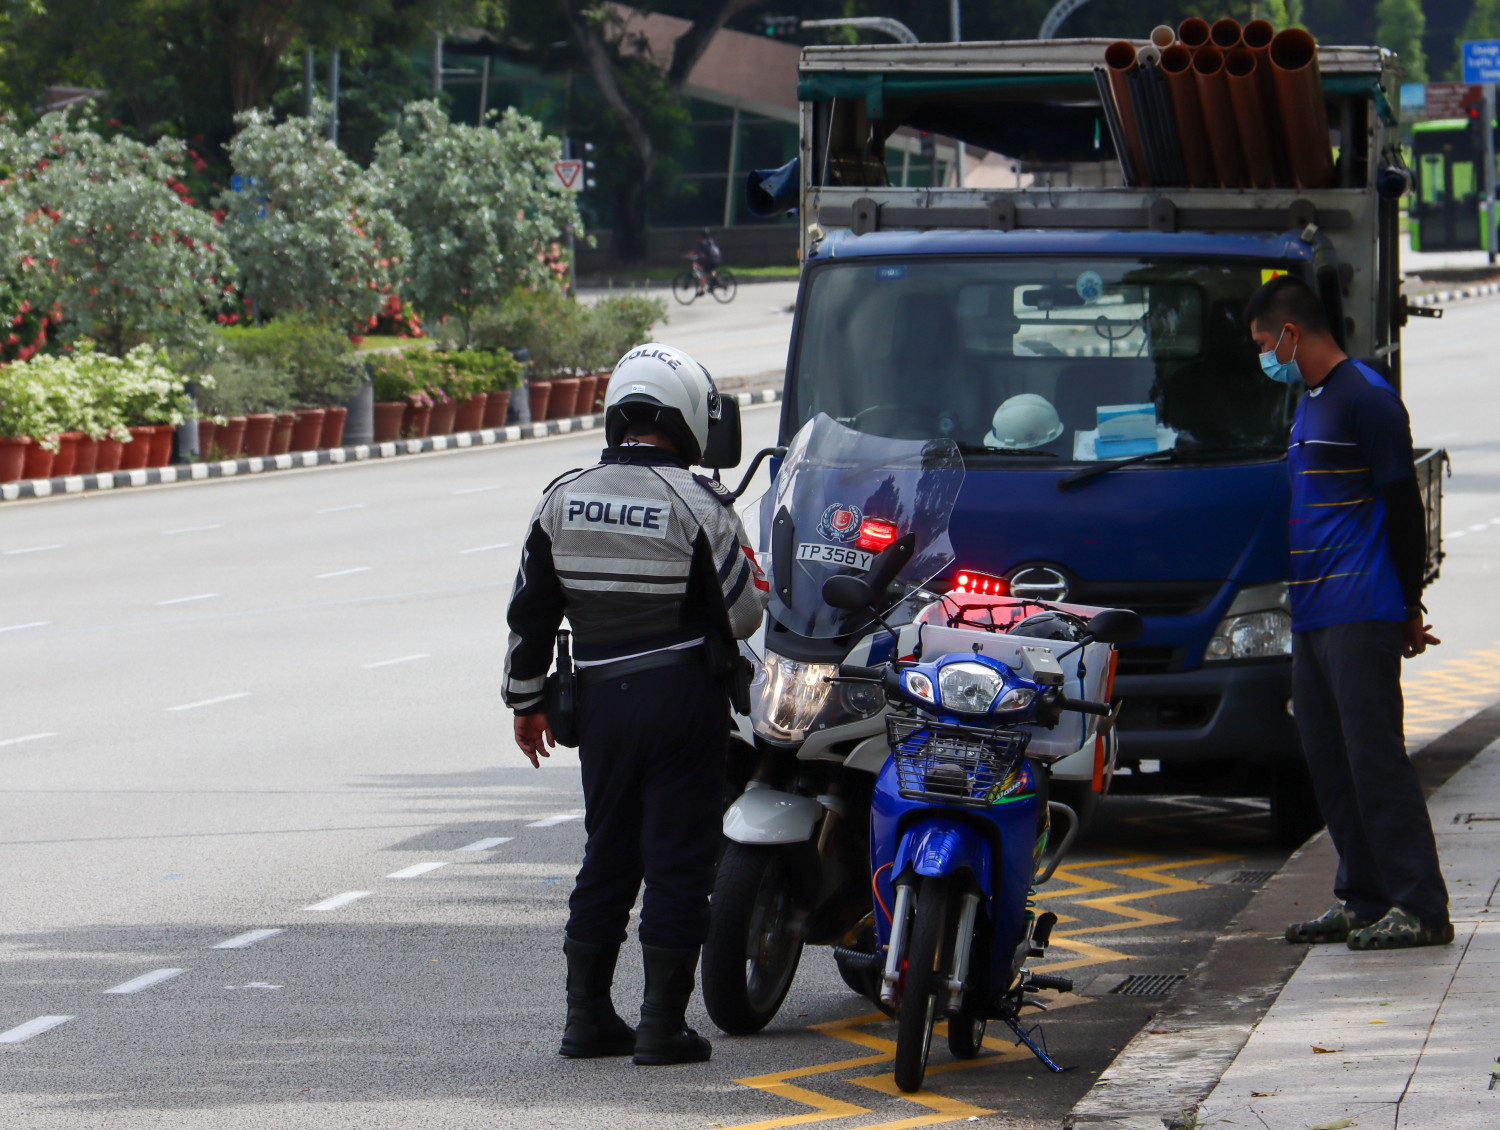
x=924 y=983
x=753 y=948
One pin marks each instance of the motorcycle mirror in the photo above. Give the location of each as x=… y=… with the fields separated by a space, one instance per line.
x=847 y=592
x=724 y=437
x=889 y=562
x=1116 y=625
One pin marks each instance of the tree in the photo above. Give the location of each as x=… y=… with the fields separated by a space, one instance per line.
x=1399 y=27
x=479 y=203
x=306 y=225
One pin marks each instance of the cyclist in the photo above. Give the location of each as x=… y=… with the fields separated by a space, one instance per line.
x=706 y=257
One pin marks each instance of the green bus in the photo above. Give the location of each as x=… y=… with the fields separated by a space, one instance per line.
x=1448 y=211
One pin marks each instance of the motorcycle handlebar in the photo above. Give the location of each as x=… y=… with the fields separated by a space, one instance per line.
x=868 y=674
x=1084 y=706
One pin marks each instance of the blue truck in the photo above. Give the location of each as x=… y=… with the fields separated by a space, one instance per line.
x=1081 y=339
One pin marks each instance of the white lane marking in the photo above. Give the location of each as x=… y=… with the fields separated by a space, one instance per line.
x=1455 y=533
x=186 y=599
x=21 y=627
x=254 y=985
x=23 y=1032
x=344 y=572
x=32 y=549
x=194 y=529
x=339 y=900
x=145 y=981
x=27 y=738
x=485 y=845
x=338 y=509
x=486 y=548
x=551 y=821
x=414 y=870
x=388 y=662
x=248 y=938
x=477 y=490
x=211 y=701
x=1481 y=526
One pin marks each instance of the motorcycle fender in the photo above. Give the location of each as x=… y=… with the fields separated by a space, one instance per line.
x=939 y=847
x=769 y=816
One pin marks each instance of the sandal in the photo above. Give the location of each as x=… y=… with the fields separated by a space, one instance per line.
x=1400 y=929
x=1333 y=925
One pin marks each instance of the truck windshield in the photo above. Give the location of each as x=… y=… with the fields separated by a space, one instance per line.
x=1072 y=359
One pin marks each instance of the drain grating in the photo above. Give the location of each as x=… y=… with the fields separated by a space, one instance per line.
x=1148 y=984
x=1251 y=878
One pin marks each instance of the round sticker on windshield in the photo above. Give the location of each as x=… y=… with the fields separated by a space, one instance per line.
x=1089 y=286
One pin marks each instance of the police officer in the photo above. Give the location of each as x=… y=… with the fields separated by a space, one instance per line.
x=651 y=567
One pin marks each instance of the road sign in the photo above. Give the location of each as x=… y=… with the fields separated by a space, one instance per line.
x=1482 y=60
x=1438 y=100
x=569 y=174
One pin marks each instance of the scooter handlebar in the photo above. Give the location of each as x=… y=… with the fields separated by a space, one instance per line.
x=1084 y=706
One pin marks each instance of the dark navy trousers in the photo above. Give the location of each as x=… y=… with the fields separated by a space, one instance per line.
x=1346 y=693
x=652 y=746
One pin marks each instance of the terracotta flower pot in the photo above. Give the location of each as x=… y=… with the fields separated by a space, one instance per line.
x=111 y=453
x=229 y=439
x=87 y=459
x=564 y=396
x=495 y=408
x=585 y=402
x=258 y=428
x=66 y=458
x=470 y=416
x=161 y=446
x=541 y=399
x=388 y=418
x=137 y=452
x=206 y=430
x=601 y=386
x=414 y=424
x=444 y=415
x=281 y=434
x=38 y=461
x=13 y=457
x=307 y=432
x=333 y=427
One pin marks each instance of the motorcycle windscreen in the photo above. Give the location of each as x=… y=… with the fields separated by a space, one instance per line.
x=841 y=497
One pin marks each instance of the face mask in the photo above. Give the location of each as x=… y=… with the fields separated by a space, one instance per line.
x=1283 y=372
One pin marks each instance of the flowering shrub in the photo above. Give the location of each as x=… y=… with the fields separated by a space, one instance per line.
x=90 y=392
x=564 y=336
x=307 y=227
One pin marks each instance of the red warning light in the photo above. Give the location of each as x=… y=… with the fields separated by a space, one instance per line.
x=981 y=584
x=875 y=534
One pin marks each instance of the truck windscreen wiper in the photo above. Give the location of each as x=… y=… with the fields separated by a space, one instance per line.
x=1170 y=455
x=981 y=449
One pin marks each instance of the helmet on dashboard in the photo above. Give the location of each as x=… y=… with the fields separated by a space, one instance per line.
x=1025 y=420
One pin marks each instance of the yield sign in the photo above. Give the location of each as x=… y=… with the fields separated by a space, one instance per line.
x=569 y=174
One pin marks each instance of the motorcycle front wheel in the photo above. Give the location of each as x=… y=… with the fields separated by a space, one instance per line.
x=752 y=950
x=925 y=983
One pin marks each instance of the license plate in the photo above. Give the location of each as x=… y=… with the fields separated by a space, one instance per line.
x=834 y=555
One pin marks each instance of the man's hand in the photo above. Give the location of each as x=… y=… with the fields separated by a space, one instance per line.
x=1416 y=637
x=531 y=729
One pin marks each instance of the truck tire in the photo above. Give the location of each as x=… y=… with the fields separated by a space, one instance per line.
x=1294 y=807
x=752 y=951
x=924 y=983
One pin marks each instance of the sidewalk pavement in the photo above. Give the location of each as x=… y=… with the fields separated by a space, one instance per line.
x=1404 y=1039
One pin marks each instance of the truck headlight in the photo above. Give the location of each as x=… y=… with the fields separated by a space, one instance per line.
x=1258 y=626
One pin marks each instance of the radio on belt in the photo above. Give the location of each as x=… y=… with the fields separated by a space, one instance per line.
x=1038 y=665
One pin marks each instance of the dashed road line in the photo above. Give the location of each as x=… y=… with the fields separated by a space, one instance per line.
x=23 y=627
x=144 y=981
x=210 y=701
x=23 y=1032
x=27 y=738
x=343 y=572
x=248 y=938
x=416 y=869
x=389 y=662
x=186 y=599
x=486 y=844
x=340 y=509
x=194 y=529
x=339 y=900
x=552 y=821
x=477 y=490
x=32 y=549
x=485 y=548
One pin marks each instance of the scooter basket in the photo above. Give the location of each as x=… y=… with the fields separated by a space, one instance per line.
x=959 y=765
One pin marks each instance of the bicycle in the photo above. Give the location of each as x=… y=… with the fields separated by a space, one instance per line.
x=720 y=283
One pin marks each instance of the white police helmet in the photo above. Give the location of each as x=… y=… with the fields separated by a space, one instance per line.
x=1025 y=420
x=662 y=386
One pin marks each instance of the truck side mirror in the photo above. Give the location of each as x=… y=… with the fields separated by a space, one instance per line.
x=724 y=437
x=1116 y=625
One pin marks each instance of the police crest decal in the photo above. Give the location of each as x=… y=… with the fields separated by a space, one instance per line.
x=840 y=522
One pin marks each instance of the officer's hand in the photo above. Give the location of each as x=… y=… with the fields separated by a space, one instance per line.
x=530 y=730
x=1417 y=637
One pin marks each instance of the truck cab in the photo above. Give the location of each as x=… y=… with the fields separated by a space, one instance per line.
x=1082 y=340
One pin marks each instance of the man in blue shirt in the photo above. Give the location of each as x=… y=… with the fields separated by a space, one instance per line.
x=1358 y=541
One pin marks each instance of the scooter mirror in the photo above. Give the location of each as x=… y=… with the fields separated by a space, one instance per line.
x=847 y=592
x=1116 y=625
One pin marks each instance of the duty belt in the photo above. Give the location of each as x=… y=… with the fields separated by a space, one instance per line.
x=677 y=657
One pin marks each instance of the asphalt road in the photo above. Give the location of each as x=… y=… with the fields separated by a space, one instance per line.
x=271 y=704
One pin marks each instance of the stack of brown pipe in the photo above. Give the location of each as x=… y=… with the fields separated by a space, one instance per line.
x=1246 y=102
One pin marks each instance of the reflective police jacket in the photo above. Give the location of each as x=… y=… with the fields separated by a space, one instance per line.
x=640 y=555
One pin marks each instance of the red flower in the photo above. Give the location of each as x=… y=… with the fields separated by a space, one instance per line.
x=223 y=319
x=356 y=339
x=12 y=339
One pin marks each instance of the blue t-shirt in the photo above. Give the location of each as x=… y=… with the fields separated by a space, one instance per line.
x=1351 y=436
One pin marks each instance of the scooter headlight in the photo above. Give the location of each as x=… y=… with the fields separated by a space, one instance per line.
x=970 y=687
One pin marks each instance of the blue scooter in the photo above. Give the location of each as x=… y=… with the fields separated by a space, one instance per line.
x=960 y=822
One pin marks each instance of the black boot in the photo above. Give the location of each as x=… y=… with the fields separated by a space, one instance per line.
x=663 y=1035
x=593 y=1028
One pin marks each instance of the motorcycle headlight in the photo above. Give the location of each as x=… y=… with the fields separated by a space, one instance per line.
x=790 y=695
x=970 y=687
x=1258 y=626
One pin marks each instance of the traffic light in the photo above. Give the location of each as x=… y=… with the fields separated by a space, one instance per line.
x=780 y=27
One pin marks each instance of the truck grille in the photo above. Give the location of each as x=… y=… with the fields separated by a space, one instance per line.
x=1149 y=598
x=1148 y=660
x=1167 y=712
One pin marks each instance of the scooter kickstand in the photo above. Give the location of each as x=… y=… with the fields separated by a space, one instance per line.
x=1023 y=1036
